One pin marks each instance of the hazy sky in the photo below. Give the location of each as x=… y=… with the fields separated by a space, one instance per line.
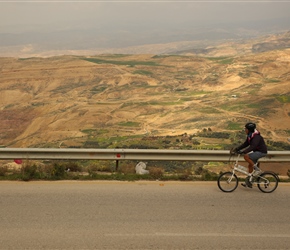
x=17 y=16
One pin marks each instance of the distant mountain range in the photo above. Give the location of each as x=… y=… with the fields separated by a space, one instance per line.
x=144 y=39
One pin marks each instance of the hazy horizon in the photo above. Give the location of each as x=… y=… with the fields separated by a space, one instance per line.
x=116 y=24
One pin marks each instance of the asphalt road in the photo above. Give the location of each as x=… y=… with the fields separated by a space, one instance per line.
x=141 y=215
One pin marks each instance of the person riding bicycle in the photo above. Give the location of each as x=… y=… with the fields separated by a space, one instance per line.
x=254 y=148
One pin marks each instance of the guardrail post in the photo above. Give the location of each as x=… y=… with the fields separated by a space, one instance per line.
x=117 y=165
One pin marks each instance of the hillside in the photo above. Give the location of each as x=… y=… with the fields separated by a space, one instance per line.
x=108 y=100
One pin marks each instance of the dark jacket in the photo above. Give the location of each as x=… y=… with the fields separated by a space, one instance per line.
x=254 y=142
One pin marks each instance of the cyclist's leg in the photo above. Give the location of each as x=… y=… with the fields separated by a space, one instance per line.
x=250 y=161
x=252 y=158
x=256 y=156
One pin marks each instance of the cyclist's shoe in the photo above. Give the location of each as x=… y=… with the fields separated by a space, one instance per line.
x=257 y=172
x=246 y=186
x=247 y=183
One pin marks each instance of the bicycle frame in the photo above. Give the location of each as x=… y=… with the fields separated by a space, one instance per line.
x=237 y=169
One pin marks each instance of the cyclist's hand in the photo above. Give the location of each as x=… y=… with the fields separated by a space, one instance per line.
x=233 y=151
x=240 y=152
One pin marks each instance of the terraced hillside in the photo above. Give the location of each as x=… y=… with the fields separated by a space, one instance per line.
x=123 y=100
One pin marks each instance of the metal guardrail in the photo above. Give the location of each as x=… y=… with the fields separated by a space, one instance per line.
x=130 y=154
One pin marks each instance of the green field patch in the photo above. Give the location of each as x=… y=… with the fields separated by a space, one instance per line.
x=255 y=88
x=129 y=124
x=284 y=98
x=166 y=103
x=120 y=141
x=233 y=107
x=221 y=60
x=93 y=131
x=27 y=58
x=253 y=105
x=183 y=75
x=196 y=93
x=168 y=56
x=128 y=63
x=244 y=74
x=262 y=105
x=153 y=103
x=190 y=73
x=139 y=85
x=209 y=110
x=88 y=131
x=66 y=87
x=270 y=80
x=186 y=99
x=116 y=55
x=234 y=126
x=98 y=89
x=143 y=72
x=103 y=131
x=104 y=103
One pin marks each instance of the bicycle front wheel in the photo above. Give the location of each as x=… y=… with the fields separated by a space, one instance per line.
x=227 y=182
x=267 y=182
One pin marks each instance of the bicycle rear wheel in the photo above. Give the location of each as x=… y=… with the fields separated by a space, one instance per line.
x=227 y=182
x=267 y=182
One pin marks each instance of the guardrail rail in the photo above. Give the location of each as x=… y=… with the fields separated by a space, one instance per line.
x=130 y=154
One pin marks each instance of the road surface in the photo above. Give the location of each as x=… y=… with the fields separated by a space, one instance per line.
x=141 y=215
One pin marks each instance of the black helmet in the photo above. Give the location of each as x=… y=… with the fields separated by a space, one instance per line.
x=250 y=126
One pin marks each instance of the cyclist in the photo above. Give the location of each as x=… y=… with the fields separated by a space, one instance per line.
x=254 y=148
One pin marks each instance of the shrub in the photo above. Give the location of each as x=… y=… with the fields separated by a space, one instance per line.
x=128 y=169
x=29 y=171
x=55 y=171
x=208 y=176
x=94 y=168
x=3 y=170
x=185 y=175
x=73 y=167
x=199 y=170
x=205 y=174
x=59 y=171
x=156 y=173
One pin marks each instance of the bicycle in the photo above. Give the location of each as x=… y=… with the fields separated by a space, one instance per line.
x=266 y=181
